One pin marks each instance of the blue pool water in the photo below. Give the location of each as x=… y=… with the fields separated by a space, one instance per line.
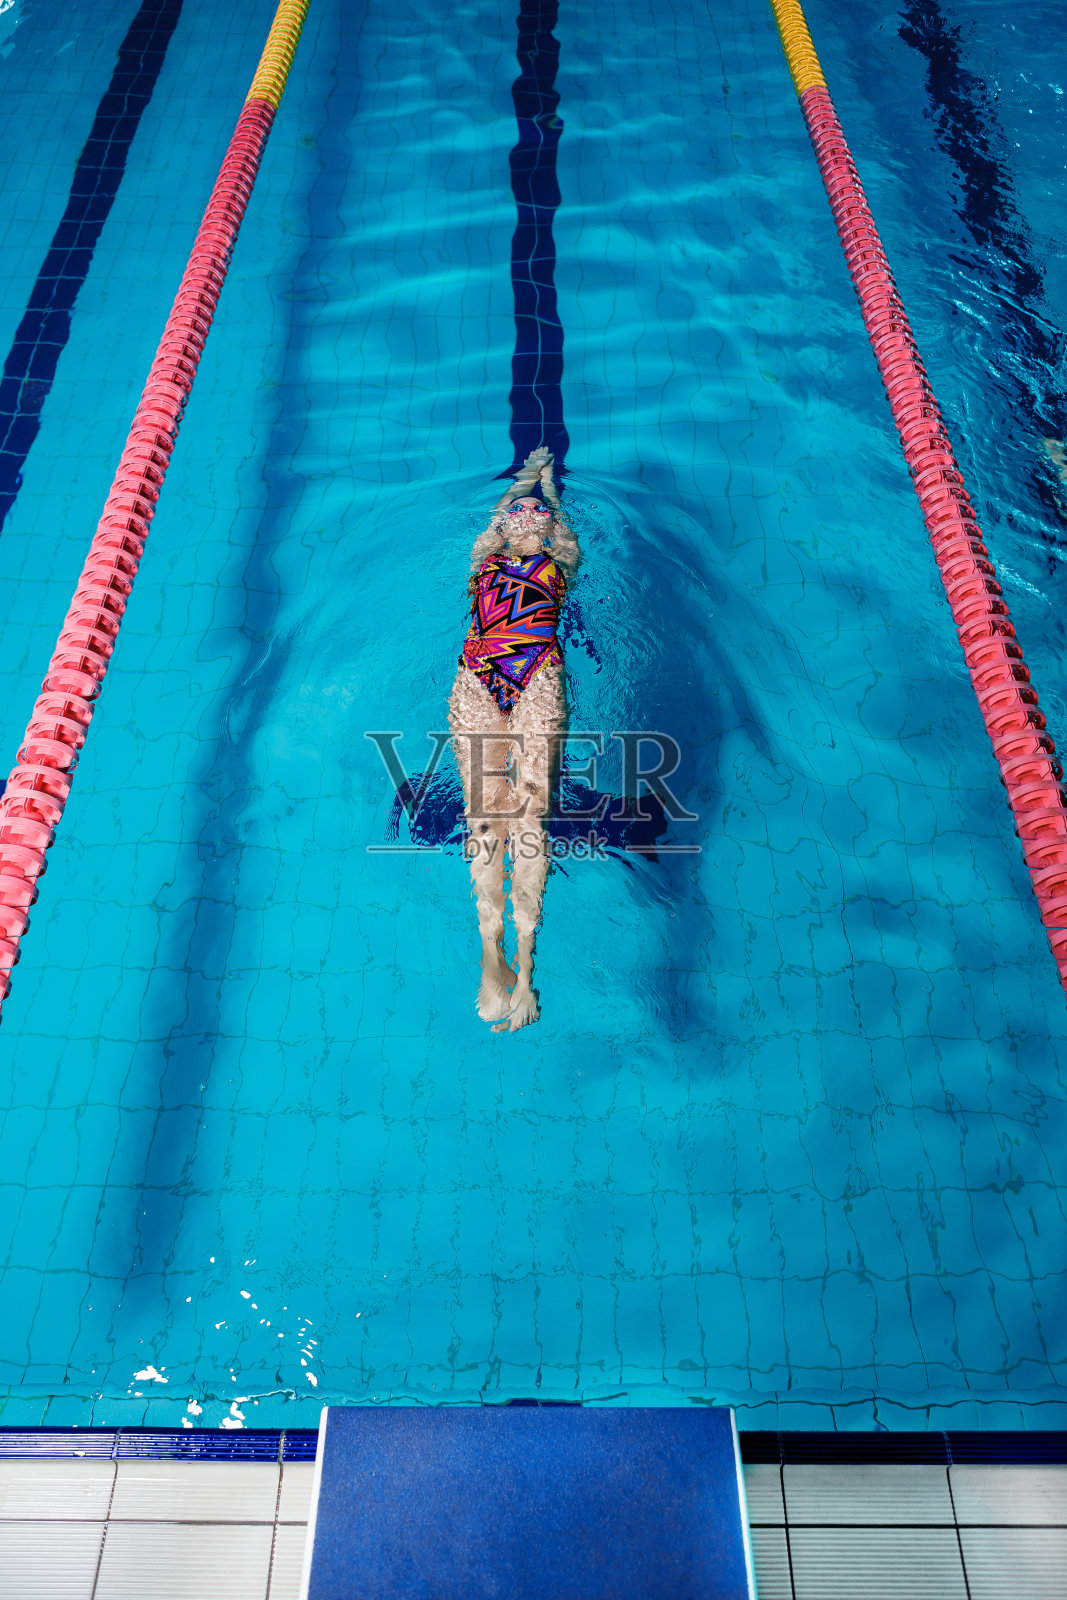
x=789 y=1134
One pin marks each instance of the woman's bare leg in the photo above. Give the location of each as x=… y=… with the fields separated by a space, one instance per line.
x=472 y=716
x=538 y=718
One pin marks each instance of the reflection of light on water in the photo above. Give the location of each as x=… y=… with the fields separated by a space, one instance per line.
x=9 y=21
x=297 y=1330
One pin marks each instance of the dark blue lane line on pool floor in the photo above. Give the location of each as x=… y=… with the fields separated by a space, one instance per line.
x=45 y=328
x=968 y=128
x=537 y=365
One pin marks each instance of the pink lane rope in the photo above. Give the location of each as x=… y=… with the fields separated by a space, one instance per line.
x=1009 y=706
x=38 y=787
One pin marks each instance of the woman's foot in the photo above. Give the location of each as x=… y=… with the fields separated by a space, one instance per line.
x=498 y=980
x=524 y=1009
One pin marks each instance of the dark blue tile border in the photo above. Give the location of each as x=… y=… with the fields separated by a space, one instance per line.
x=160 y=1444
x=42 y=334
x=913 y=1449
x=786 y=1449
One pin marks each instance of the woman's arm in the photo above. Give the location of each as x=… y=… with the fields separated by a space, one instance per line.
x=487 y=544
x=565 y=551
x=548 y=485
x=532 y=469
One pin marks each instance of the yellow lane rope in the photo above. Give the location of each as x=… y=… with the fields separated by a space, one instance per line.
x=796 y=42
x=277 y=58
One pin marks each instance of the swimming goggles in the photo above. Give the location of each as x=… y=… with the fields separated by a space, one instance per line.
x=544 y=511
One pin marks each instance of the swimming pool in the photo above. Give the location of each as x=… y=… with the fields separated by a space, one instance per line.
x=786 y=1135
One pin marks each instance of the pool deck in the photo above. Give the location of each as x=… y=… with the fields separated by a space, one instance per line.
x=236 y=1530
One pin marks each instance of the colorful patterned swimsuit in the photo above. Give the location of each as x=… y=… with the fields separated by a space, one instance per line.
x=513 y=625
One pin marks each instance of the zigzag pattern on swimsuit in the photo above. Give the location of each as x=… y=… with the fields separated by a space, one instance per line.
x=513 y=624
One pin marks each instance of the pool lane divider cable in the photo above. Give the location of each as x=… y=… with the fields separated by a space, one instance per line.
x=40 y=782
x=1008 y=703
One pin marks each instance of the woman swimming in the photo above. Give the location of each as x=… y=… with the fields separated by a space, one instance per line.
x=507 y=711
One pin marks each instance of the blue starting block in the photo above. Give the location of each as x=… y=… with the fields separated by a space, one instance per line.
x=527 y=1503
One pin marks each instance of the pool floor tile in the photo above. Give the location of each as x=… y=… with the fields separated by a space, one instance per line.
x=295 y=1502
x=183 y=1561
x=867 y=1494
x=877 y=1564
x=196 y=1491
x=63 y=1490
x=288 y=1562
x=763 y=1494
x=49 y=1560
x=770 y=1558
x=1023 y=1496
x=1016 y=1563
